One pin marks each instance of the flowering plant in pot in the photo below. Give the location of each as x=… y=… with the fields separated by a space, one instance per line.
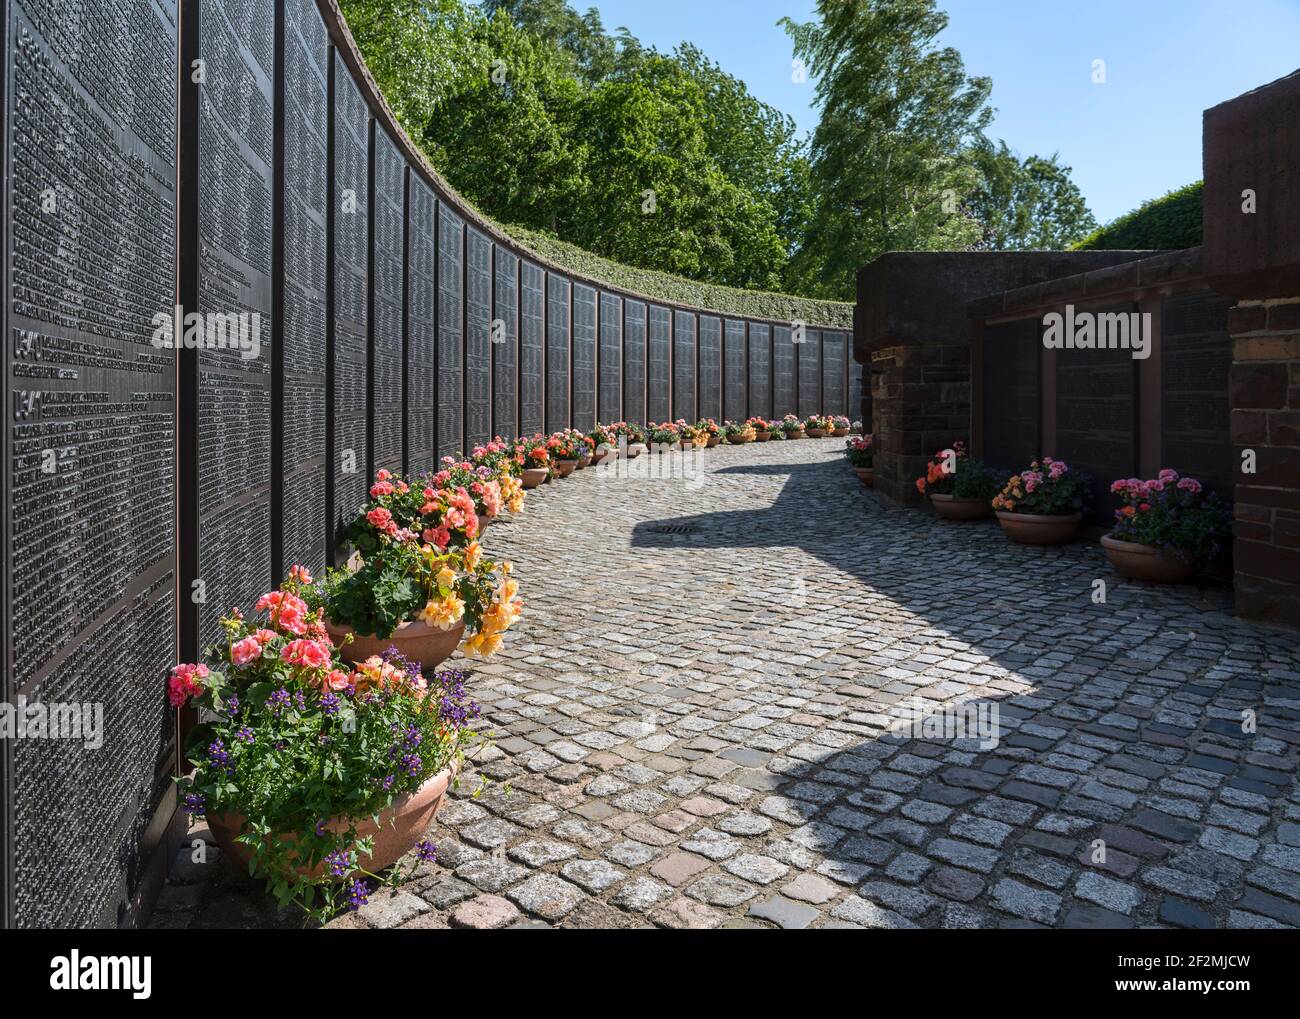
x=690 y=436
x=663 y=437
x=711 y=430
x=859 y=451
x=585 y=445
x=839 y=425
x=792 y=427
x=498 y=456
x=959 y=486
x=1166 y=529
x=565 y=452
x=480 y=482
x=313 y=774
x=1043 y=504
x=762 y=428
x=738 y=432
x=534 y=459
x=817 y=426
x=634 y=436
x=604 y=440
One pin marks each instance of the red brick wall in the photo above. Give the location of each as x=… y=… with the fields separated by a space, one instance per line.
x=1265 y=398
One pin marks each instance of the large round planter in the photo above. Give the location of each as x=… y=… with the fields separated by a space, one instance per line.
x=839 y=433
x=534 y=476
x=816 y=433
x=417 y=640
x=584 y=460
x=599 y=458
x=735 y=440
x=563 y=468
x=951 y=508
x=1146 y=562
x=714 y=440
x=1040 y=528
x=795 y=434
x=864 y=475
x=762 y=436
x=400 y=827
x=635 y=449
x=483 y=521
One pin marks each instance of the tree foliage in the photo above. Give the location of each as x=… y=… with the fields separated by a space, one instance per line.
x=1172 y=221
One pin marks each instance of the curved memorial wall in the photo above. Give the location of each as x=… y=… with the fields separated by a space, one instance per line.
x=226 y=169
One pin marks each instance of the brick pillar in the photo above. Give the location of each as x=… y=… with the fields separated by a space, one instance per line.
x=1265 y=400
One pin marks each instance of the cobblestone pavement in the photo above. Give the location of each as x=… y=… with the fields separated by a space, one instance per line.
x=692 y=726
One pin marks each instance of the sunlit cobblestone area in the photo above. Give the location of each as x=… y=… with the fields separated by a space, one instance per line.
x=692 y=726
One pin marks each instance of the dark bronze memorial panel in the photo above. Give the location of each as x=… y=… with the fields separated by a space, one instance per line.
x=810 y=373
x=684 y=366
x=532 y=348
x=734 y=359
x=634 y=362
x=557 y=352
x=505 y=346
x=421 y=326
x=1195 y=358
x=583 y=364
x=478 y=339
x=832 y=373
x=90 y=209
x=760 y=370
x=1096 y=416
x=1010 y=420
x=451 y=349
x=658 y=341
x=710 y=367
x=609 y=405
x=350 y=315
x=386 y=357
x=304 y=196
x=783 y=353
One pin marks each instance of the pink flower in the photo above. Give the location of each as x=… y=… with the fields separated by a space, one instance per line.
x=1168 y=474
x=382 y=475
x=309 y=654
x=184 y=683
x=245 y=651
x=380 y=488
x=1190 y=485
x=379 y=518
x=300 y=574
x=440 y=535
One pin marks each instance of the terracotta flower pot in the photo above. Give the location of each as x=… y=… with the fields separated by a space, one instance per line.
x=1146 y=562
x=534 y=476
x=417 y=640
x=1040 y=528
x=599 y=458
x=864 y=475
x=762 y=436
x=584 y=460
x=400 y=827
x=796 y=434
x=951 y=508
x=816 y=433
x=635 y=449
x=563 y=468
x=735 y=440
x=839 y=433
x=714 y=440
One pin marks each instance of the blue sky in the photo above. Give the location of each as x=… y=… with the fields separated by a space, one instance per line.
x=1133 y=138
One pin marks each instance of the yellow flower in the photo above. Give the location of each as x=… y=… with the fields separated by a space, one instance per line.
x=472 y=554
x=445 y=578
x=482 y=644
x=444 y=612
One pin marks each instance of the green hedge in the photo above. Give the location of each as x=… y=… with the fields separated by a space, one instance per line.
x=679 y=290
x=1173 y=221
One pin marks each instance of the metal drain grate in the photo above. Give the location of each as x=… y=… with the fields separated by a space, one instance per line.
x=674 y=529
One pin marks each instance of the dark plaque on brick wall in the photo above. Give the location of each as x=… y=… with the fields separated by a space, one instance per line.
x=451 y=348
x=609 y=404
x=856 y=412
x=1196 y=355
x=760 y=370
x=810 y=373
x=304 y=197
x=351 y=202
x=710 y=367
x=659 y=338
x=557 y=352
x=387 y=209
x=735 y=389
x=783 y=351
x=634 y=362
x=478 y=339
x=584 y=357
x=421 y=326
x=505 y=346
x=832 y=373
x=90 y=208
x=532 y=347
x=684 y=366
x=1010 y=419
x=1096 y=422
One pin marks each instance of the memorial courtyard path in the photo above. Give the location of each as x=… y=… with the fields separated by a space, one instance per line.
x=692 y=720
